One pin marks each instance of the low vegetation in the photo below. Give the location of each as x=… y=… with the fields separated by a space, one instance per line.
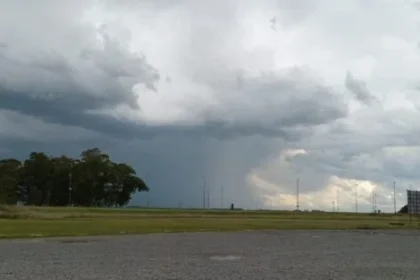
x=18 y=222
x=63 y=196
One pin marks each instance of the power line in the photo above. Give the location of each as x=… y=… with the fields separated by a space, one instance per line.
x=222 y=197
x=338 y=201
x=297 y=194
x=70 y=188
x=373 y=201
x=395 y=200
x=376 y=203
x=356 y=202
x=204 y=192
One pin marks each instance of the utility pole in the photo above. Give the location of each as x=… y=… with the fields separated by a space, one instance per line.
x=373 y=201
x=395 y=200
x=338 y=201
x=204 y=192
x=222 y=197
x=297 y=194
x=147 y=194
x=356 y=202
x=70 y=187
x=333 y=204
x=208 y=198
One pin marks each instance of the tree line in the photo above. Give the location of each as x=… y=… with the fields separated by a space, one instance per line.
x=93 y=179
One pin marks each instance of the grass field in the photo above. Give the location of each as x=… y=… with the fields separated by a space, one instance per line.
x=29 y=222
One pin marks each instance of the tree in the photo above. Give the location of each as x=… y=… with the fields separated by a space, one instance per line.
x=125 y=183
x=61 y=180
x=9 y=179
x=92 y=180
x=404 y=209
x=36 y=177
x=92 y=174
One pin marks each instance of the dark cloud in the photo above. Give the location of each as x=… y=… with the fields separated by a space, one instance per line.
x=267 y=105
x=174 y=168
x=173 y=165
x=87 y=74
x=290 y=99
x=174 y=156
x=16 y=126
x=359 y=89
x=101 y=77
x=59 y=91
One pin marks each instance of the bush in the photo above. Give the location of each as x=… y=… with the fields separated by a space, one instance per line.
x=404 y=209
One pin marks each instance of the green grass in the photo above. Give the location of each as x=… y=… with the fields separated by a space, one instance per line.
x=24 y=222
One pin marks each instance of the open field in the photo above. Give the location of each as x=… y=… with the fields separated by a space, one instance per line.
x=21 y=222
x=294 y=255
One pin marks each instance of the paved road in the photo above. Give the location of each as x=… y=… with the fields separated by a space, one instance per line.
x=247 y=255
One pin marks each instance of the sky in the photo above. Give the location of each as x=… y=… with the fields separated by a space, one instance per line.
x=249 y=98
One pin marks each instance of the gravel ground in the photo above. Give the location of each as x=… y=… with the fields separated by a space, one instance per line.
x=246 y=255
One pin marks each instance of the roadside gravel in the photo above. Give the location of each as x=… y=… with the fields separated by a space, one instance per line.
x=256 y=255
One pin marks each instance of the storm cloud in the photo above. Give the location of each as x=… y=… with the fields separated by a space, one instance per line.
x=183 y=91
